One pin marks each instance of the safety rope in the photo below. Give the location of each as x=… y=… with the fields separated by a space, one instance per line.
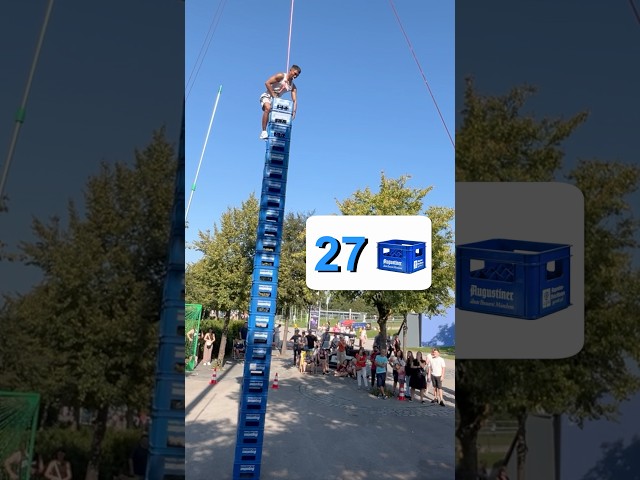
x=205 y=47
x=422 y=73
x=289 y=45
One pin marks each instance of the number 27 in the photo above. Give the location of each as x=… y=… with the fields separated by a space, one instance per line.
x=325 y=265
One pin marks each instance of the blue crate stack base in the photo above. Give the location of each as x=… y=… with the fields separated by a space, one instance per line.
x=262 y=309
x=513 y=278
x=167 y=431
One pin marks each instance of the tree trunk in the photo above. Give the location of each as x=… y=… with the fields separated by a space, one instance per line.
x=285 y=335
x=383 y=315
x=223 y=340
x=468 y=465
x=471 y=417
x=521 y=448
x=99 y=431
x=405 y=327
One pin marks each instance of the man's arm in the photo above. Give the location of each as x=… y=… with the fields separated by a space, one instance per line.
x=294 y=97
x=271 y=80
x=8 y=464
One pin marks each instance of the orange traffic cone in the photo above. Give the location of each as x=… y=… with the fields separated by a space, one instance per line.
x=275 y=383
x=401 y=395
x=214 y=377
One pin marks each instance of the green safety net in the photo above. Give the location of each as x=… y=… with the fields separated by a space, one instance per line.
x=192 y=314
x=18 y=425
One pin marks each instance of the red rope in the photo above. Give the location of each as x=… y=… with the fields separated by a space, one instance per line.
x=289 y=46
x=422 y=73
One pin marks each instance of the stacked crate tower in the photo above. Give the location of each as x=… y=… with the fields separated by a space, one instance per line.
x=166 y=435
x=262 y=309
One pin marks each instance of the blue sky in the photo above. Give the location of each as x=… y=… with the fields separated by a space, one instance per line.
x=108 y=75
x=363 y=106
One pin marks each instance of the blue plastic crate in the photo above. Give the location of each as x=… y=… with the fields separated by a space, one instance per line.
x=255 y=385
x=258 y=352
x=171 y=356
x=253 y=402
x=250 y=436
x=273 y=187
x=167 y=432
x=263 y=289
x=275 y=172
x=268 y=245
x=282 y=105
x=277 y=150
x=251 y=419
x=258 y=368
x=249 y=453
x=166 y=464
x=280 y=118
x=265 y=274
x=261 y=322
x=270 y=230
x=172 y=324
x=513 y=278
x=271 y=215
x=262 y=305
x=169 y=392
x=272 y=201
x=278 y=133
x=276 y=159
x=404 y=256
x=246 y=471
x=260 y=338
x=266 y=260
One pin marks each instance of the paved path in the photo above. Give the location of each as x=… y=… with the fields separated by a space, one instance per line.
x=319 y=427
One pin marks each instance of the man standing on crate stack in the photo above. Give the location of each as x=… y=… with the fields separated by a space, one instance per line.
x=277 y=85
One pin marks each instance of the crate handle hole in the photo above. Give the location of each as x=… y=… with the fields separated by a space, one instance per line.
x=476 y=264
x=418 y=252
x=554 y=270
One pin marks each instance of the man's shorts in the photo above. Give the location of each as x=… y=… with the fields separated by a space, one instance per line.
x=380 y=379
x=265 y=98
x=436 y=381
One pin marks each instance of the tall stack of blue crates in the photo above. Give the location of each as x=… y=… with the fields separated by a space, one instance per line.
x=262 y=309
x=166 y=436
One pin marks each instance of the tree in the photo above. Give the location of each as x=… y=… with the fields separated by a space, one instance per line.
x=496 y=142
x=225 y=270
x=395 y=198
x=102 y=290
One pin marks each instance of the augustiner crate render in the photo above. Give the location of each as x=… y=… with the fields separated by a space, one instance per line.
x=514 y=278
x=404 y=256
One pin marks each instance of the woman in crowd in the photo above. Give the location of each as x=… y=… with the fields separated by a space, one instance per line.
x=409 y=373
x=398 y=359
x=419 y=377
x=341 y=370
x=361 y=368
x=209 y=338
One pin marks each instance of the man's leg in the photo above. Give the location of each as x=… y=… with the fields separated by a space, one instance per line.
x=266 y=108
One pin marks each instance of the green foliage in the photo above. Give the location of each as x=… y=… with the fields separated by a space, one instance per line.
x=396 y=198
x=101 y=292
x=221 y=279
x=498 y=143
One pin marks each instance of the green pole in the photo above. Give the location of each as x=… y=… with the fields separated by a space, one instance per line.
x=20 y=116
